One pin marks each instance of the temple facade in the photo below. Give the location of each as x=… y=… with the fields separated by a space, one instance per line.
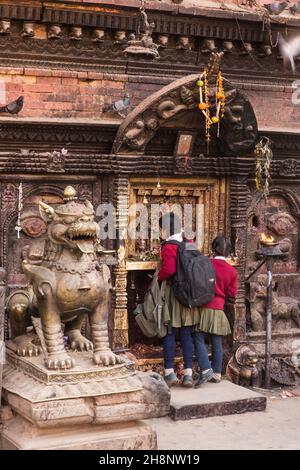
x=110 y=107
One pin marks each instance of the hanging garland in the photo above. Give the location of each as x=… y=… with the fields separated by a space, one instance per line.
x=263 y=158
x=204 y=102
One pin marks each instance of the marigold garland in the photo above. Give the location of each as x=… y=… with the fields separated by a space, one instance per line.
x=205 y=105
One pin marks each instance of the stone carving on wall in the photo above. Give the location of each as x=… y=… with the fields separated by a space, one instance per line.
x=284 y=371
x=285 y=310
x=281 y=224
x=56 y=161
x=246 y=369
x=279 y=217
x=177 y=104
x=32 y=224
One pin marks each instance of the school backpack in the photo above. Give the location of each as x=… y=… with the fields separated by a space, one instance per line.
x=152 y=314
x=194 y=282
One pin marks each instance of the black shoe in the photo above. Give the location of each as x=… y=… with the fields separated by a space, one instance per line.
x=205 y=377
x=215 y=379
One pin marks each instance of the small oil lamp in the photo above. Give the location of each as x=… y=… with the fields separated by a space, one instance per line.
x=269 y=247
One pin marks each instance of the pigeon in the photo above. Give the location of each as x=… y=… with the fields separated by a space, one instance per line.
x=289 y=50
x=118 y=106
x=276 y=8
x=295 y=8
x=14 y=107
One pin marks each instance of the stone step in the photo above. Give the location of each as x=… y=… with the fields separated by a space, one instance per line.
x=213 y=399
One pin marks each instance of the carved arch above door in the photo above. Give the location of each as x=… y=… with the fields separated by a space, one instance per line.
x=175 y=106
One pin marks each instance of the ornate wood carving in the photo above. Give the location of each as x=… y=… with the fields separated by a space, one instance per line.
x=239 y=201
x=2 y=321
x=178 y=101
x=90 y=137
x=86 y=36
x=119 y=319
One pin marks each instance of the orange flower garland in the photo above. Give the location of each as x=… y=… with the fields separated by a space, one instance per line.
x=204 y=104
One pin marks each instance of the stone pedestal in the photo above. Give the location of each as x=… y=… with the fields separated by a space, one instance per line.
x=87 y=407
x=19 y=434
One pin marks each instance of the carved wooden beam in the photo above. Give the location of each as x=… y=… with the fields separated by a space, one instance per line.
x=2 y=313
x=179 y=100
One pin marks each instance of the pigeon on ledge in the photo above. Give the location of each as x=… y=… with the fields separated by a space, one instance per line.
x=14 y=107
x=276 y=8
x=118 y=107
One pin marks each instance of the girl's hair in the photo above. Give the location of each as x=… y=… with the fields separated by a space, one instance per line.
x=221 y=246
x=171 y=223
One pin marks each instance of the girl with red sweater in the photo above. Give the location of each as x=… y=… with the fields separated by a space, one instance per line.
x=213 y=320
x=181 y=318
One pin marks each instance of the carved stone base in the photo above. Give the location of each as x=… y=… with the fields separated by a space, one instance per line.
x=19 y=434
x=81 y=404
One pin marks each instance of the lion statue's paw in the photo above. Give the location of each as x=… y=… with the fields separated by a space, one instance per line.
x=107 y=358
x=25 y=346
x=59 y=361
x=78 y=342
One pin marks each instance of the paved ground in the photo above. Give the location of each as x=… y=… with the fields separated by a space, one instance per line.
x=276 y=428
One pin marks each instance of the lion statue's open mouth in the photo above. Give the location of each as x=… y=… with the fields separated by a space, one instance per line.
x=83 y=236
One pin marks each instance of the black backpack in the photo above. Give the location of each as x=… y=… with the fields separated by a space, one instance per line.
x=194 y=282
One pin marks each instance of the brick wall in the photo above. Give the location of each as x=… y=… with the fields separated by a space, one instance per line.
x=81 y=95
x=59 y=93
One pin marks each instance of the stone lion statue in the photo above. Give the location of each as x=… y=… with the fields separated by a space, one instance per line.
x=67 y=283
x=242 y=366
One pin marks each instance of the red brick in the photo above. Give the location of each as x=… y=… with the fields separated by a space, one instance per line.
x=68 y=74
x=38 y=72
x=95 y=75
x=12 y=71
x=82 y=74
x=49 y=80
x=69 y=81
x=108 y=84
x=58 y=106
x=13 y=87
x=40 y=88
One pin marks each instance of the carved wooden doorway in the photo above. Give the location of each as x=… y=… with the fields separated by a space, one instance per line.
x=208 y=201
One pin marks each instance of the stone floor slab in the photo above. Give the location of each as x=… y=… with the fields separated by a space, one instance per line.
x=211 y=399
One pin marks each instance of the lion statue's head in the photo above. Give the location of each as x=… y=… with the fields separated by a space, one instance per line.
x=246 y=355
x=71 y=224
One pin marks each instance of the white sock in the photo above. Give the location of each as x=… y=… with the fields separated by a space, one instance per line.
x=187 y=371
x=204 y=371
x=169 y=371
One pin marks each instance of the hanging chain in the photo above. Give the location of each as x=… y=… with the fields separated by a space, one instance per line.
x=20 y=207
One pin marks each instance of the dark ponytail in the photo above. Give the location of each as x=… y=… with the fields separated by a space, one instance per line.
x=221 y=246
